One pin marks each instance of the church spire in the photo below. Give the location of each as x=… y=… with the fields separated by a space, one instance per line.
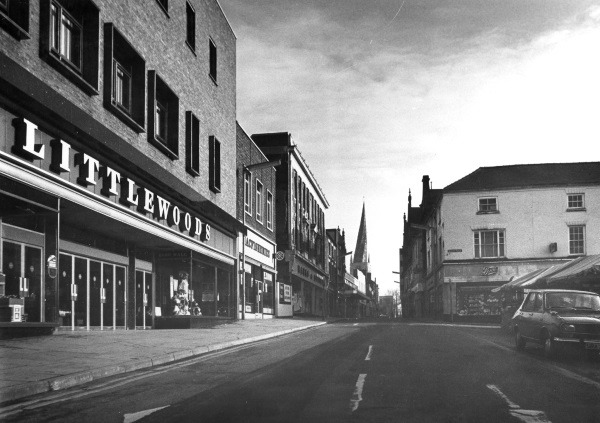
x=361 y=254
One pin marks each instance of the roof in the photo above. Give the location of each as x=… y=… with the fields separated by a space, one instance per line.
x=527 y=279
x=528 y=176
x=580 y=267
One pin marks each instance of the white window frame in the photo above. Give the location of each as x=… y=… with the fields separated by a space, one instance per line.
x=66 y=36
x=481 y=210
x=569 y=202
x=500 y=244
x=269 y=210
x=247 y=194
x=259 y=206
x=573 y=240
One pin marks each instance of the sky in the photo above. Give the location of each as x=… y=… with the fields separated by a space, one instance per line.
x=378 y=93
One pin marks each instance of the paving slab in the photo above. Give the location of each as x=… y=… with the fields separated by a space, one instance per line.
x=34 y=365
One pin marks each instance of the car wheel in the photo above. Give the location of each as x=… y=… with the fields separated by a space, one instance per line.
x=519 y=340
x=549 y=346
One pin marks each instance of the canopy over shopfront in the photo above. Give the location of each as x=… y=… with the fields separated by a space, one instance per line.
x=581 y=273
x=527 y=280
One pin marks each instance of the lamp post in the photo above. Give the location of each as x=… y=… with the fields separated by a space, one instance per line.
x=250 y=169
x=399 y=287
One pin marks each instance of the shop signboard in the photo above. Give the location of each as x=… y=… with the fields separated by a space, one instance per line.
x=260 y=249
x=285 y=293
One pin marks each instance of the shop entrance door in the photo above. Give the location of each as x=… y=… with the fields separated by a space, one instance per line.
x=22 y=265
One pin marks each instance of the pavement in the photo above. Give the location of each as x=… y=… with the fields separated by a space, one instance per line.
x=39 y=364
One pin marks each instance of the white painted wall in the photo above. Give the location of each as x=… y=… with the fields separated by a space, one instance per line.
x=532 y=219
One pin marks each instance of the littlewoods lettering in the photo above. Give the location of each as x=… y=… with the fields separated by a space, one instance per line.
x=89 y=167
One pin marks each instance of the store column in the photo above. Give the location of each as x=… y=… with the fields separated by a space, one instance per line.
x=130 y=295
x=50 y=298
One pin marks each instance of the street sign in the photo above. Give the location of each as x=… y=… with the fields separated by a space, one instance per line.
x=279 y=255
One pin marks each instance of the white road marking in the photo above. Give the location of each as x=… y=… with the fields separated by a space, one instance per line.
x=357 y=396
x=368 y=357
x=355 y=324
x=527 y=416
x=134 y=417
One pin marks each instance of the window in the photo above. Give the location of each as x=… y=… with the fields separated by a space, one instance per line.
x=125 y=79
x=576 y=239
x=247 y=194
x=489 y=244
x=488 y=205
x=259 y=197
x=575 y=201
x=269 y=210
x=214 y=167
x=14 y=18
x=192 y=142
x=163 y=116
x=164 y=5
x=191 y=26
x=69 y=40
x=213 y=60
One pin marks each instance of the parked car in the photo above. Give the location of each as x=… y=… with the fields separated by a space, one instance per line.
x=556 y=316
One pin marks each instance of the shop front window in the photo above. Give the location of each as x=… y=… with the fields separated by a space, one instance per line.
x=268 y=293
x=81 y=280
x=95 y=275
x=108 y=283
x=22 y=266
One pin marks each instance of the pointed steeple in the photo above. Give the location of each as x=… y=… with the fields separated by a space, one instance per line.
x=361 y=254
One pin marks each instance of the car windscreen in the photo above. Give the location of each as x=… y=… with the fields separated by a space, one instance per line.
x=573 y=300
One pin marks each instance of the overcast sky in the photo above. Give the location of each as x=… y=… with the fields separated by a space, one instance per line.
x=378 y=93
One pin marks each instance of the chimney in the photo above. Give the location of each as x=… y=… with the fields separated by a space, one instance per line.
x=425 y=186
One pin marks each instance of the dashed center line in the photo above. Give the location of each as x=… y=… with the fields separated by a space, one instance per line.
x=357 y=396
x=368 y=357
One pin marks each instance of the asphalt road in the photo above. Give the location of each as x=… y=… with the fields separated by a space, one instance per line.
x=365 y=372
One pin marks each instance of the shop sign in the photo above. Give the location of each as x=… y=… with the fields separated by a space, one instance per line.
x=52 y=266
x=307 y=274
x=259 y=249
x=114 y=184
x=489 y=271
x=285 y=293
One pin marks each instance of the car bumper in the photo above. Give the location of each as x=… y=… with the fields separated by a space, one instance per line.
x=589 y=343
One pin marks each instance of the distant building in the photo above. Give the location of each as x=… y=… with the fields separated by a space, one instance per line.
x=367 y=292
x=494 y=225
x=300 y=216
x=336 y=253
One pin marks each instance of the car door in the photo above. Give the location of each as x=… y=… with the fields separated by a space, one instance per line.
x=525 y=314
x=536 y=317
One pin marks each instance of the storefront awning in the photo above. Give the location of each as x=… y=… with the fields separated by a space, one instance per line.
x=578 y=270
x=526 y=280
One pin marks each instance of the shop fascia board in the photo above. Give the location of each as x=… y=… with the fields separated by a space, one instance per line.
x=81 y=197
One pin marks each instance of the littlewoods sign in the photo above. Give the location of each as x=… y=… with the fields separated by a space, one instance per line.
x=129 y=194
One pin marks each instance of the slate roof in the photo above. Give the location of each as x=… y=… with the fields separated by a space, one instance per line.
x=528 y=176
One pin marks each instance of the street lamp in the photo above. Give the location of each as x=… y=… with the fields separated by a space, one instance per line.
x=250 y=169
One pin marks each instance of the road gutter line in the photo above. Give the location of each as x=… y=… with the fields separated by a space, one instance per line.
x=368 y=357
x=357 y=396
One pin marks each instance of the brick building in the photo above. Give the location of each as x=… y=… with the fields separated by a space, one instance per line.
x=256 y=194
x=117 y=159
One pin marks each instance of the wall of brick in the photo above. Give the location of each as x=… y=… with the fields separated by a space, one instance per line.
x=248 y=153
x=160 y=40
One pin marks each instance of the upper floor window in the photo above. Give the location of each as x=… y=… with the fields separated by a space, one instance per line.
x=164 y=5
x=192 y=136
x=269 y=210
x=247 y=193
x=576 y=239
x=488 y=205
x=213 y=60
x=190 y=26
x=488 y=243
x=214 y=153
x=14 y=18
x=259 y=199
x=163 y=116
x=69 y=40
x=125 y=79
x=575 y=201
